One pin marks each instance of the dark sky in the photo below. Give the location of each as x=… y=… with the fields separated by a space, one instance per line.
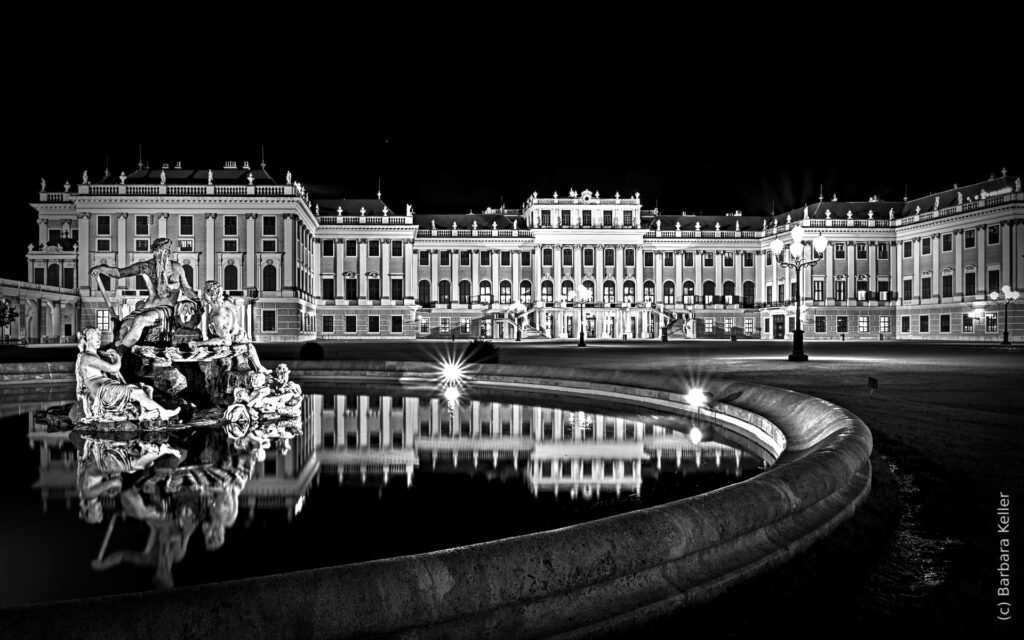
x=708 y=139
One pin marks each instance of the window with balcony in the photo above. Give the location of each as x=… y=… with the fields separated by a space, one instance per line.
x=840 y=290
x=947 y=286
x=373 y=288
x=926 y=287
x=709 y=292
x=352 y=289
x=993 y=280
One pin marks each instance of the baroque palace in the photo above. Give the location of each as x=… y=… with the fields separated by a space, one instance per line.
x=300 y=268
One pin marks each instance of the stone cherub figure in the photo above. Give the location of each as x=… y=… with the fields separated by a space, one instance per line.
x=102 y=390
x=221 y=328
x=165 y=280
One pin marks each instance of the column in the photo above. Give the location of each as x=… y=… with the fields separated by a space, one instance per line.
x=760 y=266
x=84 y=249
x=209 y=250
x=556 y=274
x=361 y=268
x=538 y=269
x=698 y=276
x=516 y=274
x=659 y=277
x=737 y=262
x=678 y=261
x=455 y=277
x=318 y=284
x=250 y=251
x=435 y=417
x=958 y=268
x=775 y=282
x=1005 y=235
x=122 y=241
x=936 y=272
x=599 y=275
x=409 y=274
x=410 y=407
x=161 y=224
x=719 y=263
x=385 y=422
x=898 y=262
x=981 y=241
x=619 y=270
x=44 y=232
x=851 y=272
x=495 y=282
x=474 y=418
x=435 y=259
x=577 y=263
x=474 y=274
x=872 y=267
x=290 y=252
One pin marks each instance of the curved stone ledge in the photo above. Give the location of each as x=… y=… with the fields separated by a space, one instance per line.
x=568 y=582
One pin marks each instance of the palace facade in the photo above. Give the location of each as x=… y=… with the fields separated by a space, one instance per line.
x=301 y=268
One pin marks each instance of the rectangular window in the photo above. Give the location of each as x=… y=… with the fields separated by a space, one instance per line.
x=748 y=326
x=269 y=320
x=993 y=234
x=231 y=225
x=374 y=248
x=840 y=252
x=142 y=225
x=840 y=290
x=185 y=225
x=142 y=244
x=230 y=246
x=926 y=287
x=424 y=325
x=908 y=249
x=841 y=325
x=627 y=218
x=923 y=324
x=374 y=324
x=991 y=322
x=524 y=258
x=350 y=324
x=485 y=258
x=883 y=251
x=993 y=280
x=397 y=291
x=103 y=319
x=669 y=260
x=351 y=288
x=607 y=218
x=328 y=248
x=103 y=244
x=506 y=258
x=185 y=245
x=819 y=324
x=768 y=295
x=727 y=325
x=748 y=259
x=446 y=258
x=103 y=225
x=768 y=258
x=373 y=284
x=270 y=246
x=351 y=248
x=883 y=324
x=396 y=324
x=905 y=324
x=328 y=324
x=424 y=258
x=818 y=291
x=269 y=226
x=709 y=325
x=709 y=259
x=947 y=286
x=728 y=258
x=396 y=248
x=944 y=323
x=446 y=325
x=464 y=325
x=862 y=251
x=968 y=323
x=947 y=242
x=908 y=289
x=926 y=246
x=328 y=288
x=969 y=239
x=648 y=258
x=586 y=218
x=545 y=218
x=464 y=257
x=970 y=279
x=688 y=259
x=566 y=218
x=862 y=324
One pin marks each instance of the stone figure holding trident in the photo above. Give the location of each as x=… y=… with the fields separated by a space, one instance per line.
x=165 y=279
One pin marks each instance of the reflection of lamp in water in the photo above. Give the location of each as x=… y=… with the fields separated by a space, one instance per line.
x=451 y=394
x=696 y=398
x=580 y=420
x=695 y=435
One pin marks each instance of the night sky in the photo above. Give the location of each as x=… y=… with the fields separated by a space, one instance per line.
x=699 y=140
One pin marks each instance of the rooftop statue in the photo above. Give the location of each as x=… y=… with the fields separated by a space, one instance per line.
x=892 y=214
x=209 y=176
x=42 y=184
x=959 y=198
x=165 y=280
x=288 y=177
x=163 y=177
x=102 y=390
x=515 y=223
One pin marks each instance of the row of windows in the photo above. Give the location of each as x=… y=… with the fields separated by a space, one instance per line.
x=352 y=248
x=568 y=291
x=186 y=244
x=586 y=218
x=372 y=324
x=947 y=241
x=970 y=284
x=967 y=324
x=186 y=227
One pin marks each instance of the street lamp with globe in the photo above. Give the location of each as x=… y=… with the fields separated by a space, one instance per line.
x=1008 y=295
x=515 y=310
x=795 y=259
x=582 y=295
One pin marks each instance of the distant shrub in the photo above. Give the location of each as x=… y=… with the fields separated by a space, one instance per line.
x=480 y=352
x=311 y=351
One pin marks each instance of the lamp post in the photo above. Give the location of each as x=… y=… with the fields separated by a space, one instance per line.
x=797 y=261
x=1009 y=295
x=582 y=295
x=515 y=309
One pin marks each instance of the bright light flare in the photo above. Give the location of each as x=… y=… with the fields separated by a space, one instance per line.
x=696 y=397
x=452 y=372
x=451 y=394
x=695 y=436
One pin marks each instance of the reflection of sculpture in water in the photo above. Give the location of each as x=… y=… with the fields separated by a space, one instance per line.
x=102 y=390
x=165 y=278
x=278 y=396
x=100 y=465
x=221 y=327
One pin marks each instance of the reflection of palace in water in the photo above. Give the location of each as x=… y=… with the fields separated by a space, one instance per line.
x=369 y=439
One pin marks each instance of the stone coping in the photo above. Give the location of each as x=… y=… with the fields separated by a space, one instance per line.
x=572 y=582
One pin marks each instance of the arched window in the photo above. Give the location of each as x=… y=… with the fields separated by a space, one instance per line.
x=609 y=257
x=669 y=292
x=648 y=291
x=567 y=291
x=464 y=291
x=525 y=292
x=589 y=287
x=609 y=291
x=688 y=292
x=230 y=277
x=424 y=295
x=189 y=276
x=567 y=257
x=748 y=294
x=729 y=291
x=505 y=292
x=53 y=275
x=444 y=292
x=270 y=278
x=546 y=291
x=709 y=292
x=629 y=292
x=485 y=292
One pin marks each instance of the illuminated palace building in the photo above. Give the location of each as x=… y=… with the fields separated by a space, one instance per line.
x=301 y=268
